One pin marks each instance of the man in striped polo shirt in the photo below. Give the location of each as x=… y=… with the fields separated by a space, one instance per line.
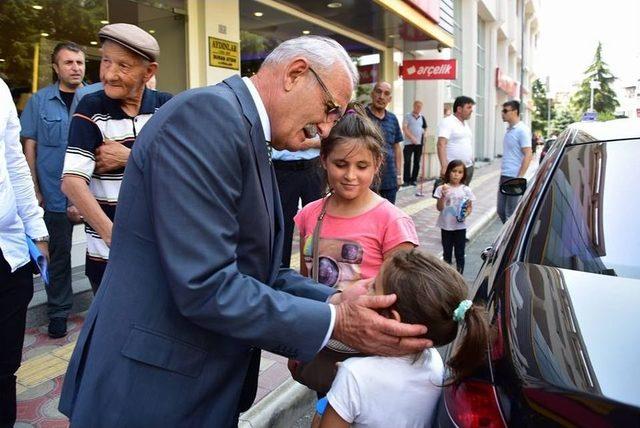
x=103 y=129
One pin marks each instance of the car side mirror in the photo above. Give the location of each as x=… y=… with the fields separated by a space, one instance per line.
x=487 y=253
x=514 y=187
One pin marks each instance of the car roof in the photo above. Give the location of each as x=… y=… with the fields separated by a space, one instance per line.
x=617 y=129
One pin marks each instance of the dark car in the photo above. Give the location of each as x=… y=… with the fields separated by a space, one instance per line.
x=545 y=148
x=562 y=285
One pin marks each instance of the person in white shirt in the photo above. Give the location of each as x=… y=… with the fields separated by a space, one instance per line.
x=20 y=219
x=455 y=138
x=404 y=391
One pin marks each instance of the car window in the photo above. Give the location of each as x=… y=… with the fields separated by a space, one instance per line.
x=589 y=214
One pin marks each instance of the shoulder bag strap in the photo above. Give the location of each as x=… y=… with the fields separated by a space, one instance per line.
x=316 y=239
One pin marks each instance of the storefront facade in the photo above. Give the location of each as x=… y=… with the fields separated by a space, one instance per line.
x=205 y=41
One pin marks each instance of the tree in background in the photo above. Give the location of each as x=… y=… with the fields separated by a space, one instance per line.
x=563 y=118
x=604 y=99
x=539 y=119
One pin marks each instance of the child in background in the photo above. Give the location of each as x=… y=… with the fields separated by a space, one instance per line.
x=404 y=391
x=455 y=203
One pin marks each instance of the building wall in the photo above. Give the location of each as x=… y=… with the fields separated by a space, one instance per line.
x=502 y=49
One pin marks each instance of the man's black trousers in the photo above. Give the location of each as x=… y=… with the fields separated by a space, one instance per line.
x=16 y=290
x=297 y=180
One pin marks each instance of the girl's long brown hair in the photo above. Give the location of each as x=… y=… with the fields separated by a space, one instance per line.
x=428 y=291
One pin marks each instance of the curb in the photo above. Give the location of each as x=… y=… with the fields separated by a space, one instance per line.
x=481 y=223
x=280 y=408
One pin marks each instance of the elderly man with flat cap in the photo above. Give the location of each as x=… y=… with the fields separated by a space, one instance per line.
x=103 y=130
x=194 y=289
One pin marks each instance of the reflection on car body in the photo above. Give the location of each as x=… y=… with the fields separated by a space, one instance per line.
x=560 y=284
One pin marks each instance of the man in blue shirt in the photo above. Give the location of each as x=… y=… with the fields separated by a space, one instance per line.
x=45 y=128
x=516 y=155
x=390 y=177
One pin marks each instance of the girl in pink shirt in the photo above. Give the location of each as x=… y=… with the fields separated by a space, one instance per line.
x=360 y=228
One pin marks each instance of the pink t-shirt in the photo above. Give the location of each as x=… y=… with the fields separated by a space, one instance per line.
x=352 y=248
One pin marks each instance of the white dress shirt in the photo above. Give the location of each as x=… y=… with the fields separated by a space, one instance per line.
x=19 y=210
x=266 y=128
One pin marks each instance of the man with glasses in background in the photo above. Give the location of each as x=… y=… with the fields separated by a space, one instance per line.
x=516 y=155
x=390 y=173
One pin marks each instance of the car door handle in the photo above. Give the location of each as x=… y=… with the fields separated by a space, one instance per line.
x=487 y=253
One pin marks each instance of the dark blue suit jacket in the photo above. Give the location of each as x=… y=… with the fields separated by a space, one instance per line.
x=193 y=287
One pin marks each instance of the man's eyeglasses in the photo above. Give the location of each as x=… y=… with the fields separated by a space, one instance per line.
x=505 y=110
x=333 y=109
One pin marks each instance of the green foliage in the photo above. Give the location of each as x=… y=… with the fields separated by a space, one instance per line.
x=539 y=119
x=562 y=119
x=604 y=99
x=70 y=20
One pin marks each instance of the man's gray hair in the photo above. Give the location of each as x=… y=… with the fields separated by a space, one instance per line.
x=321 y=52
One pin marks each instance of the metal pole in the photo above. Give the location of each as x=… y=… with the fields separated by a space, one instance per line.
x=591 y=100
x=523 y=27
x=548 y=87
x=548 y=115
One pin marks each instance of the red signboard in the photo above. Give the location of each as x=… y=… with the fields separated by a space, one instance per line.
x=429 y=69
x=507 y=84
x=429 y=8
x=368 y=73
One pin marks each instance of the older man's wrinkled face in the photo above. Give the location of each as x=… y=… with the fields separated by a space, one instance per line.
x=122 y=72
x=314 y=100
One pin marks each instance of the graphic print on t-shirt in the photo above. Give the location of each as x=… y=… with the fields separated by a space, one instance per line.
x=339 y=261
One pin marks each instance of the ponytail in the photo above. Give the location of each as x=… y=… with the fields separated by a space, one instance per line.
x=432 y=293
x=471 y=351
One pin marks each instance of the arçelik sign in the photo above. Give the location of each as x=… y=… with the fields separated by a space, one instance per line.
x=429 y=69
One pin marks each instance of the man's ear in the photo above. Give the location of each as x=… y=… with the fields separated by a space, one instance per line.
x=294 y=71
x=151 y=71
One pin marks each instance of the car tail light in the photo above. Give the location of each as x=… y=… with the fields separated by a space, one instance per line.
x=473 y=404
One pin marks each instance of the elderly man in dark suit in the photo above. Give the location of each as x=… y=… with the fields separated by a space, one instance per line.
x=194 y=289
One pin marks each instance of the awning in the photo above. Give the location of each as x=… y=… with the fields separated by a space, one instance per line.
x=401 y=24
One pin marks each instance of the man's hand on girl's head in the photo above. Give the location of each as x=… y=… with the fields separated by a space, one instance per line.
x=359 y=326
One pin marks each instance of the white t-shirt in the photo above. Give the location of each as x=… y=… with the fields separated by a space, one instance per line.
x=388 y=391
x=455 y=196
x=459 y=138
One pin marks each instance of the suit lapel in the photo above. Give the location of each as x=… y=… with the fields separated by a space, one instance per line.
x=259 y=146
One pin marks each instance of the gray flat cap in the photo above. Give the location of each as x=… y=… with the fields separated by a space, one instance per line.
x=133 y=38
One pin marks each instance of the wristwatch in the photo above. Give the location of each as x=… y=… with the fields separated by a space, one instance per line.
x=41 y=239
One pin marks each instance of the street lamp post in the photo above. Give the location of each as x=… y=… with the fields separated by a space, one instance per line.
x=548 y=87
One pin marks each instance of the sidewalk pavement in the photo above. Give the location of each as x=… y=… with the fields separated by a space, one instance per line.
x=279 y=400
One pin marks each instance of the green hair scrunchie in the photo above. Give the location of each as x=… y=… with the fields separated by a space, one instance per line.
x=463 y=307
